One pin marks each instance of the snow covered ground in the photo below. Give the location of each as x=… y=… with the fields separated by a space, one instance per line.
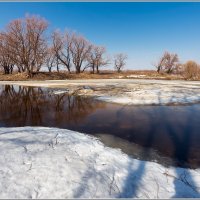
x=38 y=162
x=126 y=91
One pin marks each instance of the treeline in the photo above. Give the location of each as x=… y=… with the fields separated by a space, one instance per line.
x=25 y=46
x=169 y=63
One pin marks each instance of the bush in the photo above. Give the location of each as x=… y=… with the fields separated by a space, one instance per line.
x=191 y=70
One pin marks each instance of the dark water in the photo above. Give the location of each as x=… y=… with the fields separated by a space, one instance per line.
x=166 y=134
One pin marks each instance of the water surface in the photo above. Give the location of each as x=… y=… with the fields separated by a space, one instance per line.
x=169 y=135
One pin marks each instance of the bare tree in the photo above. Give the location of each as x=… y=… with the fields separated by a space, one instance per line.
x=167 y=63
x=161 y=63
x=27 y=43
x=6 y=62
x=171 y=62
x=51 y=60
x=96 y=58
x=80 y=49
x=62 y=48
x=120 y=61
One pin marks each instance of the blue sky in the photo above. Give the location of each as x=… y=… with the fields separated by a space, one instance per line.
x=142 y=30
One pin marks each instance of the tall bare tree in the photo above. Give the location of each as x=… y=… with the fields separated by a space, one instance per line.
x=96 y=58
x=62 y=48
x=27 y=42
x=51 y=60
x=6 y=62
x=120 y=61
x=80 y=49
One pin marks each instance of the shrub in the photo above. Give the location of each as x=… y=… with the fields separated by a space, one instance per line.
x=191 y=70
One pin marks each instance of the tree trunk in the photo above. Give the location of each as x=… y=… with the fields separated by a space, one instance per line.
x=159 y=68
x=58 y=68
x=97 y=69
x=78 y=70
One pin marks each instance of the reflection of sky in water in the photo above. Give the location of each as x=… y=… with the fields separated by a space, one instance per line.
x=162 y=131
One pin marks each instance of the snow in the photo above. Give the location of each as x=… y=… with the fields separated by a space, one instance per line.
x=39 y=162
x=149 y=96
x=135 y=76
x=57 y=92
x=126 y=91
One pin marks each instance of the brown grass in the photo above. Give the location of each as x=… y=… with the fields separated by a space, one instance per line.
x=106 y=74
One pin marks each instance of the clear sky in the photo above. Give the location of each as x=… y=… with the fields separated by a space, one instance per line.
x=142 y=30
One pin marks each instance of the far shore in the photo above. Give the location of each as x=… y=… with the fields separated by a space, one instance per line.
x=104 y=74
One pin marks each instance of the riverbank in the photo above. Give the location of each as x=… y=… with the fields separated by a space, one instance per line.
x=39 y=162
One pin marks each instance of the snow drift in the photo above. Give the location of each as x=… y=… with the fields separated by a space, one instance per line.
x=38 y=162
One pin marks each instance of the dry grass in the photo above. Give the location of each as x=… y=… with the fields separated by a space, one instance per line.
x=13 y=77
x=106 y=74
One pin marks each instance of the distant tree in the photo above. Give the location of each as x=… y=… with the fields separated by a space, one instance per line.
x=171 y=62
x=27 y=44
x=161 y=63
x=120 y=61
x=167 y=63
x=96 y=58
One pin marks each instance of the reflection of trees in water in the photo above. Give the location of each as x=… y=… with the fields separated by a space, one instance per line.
x=20 y=104
x=70 y=108
x=33 y=106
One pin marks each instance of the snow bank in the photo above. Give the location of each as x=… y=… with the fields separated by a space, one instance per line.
x=38 y=162
x=155 y=96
